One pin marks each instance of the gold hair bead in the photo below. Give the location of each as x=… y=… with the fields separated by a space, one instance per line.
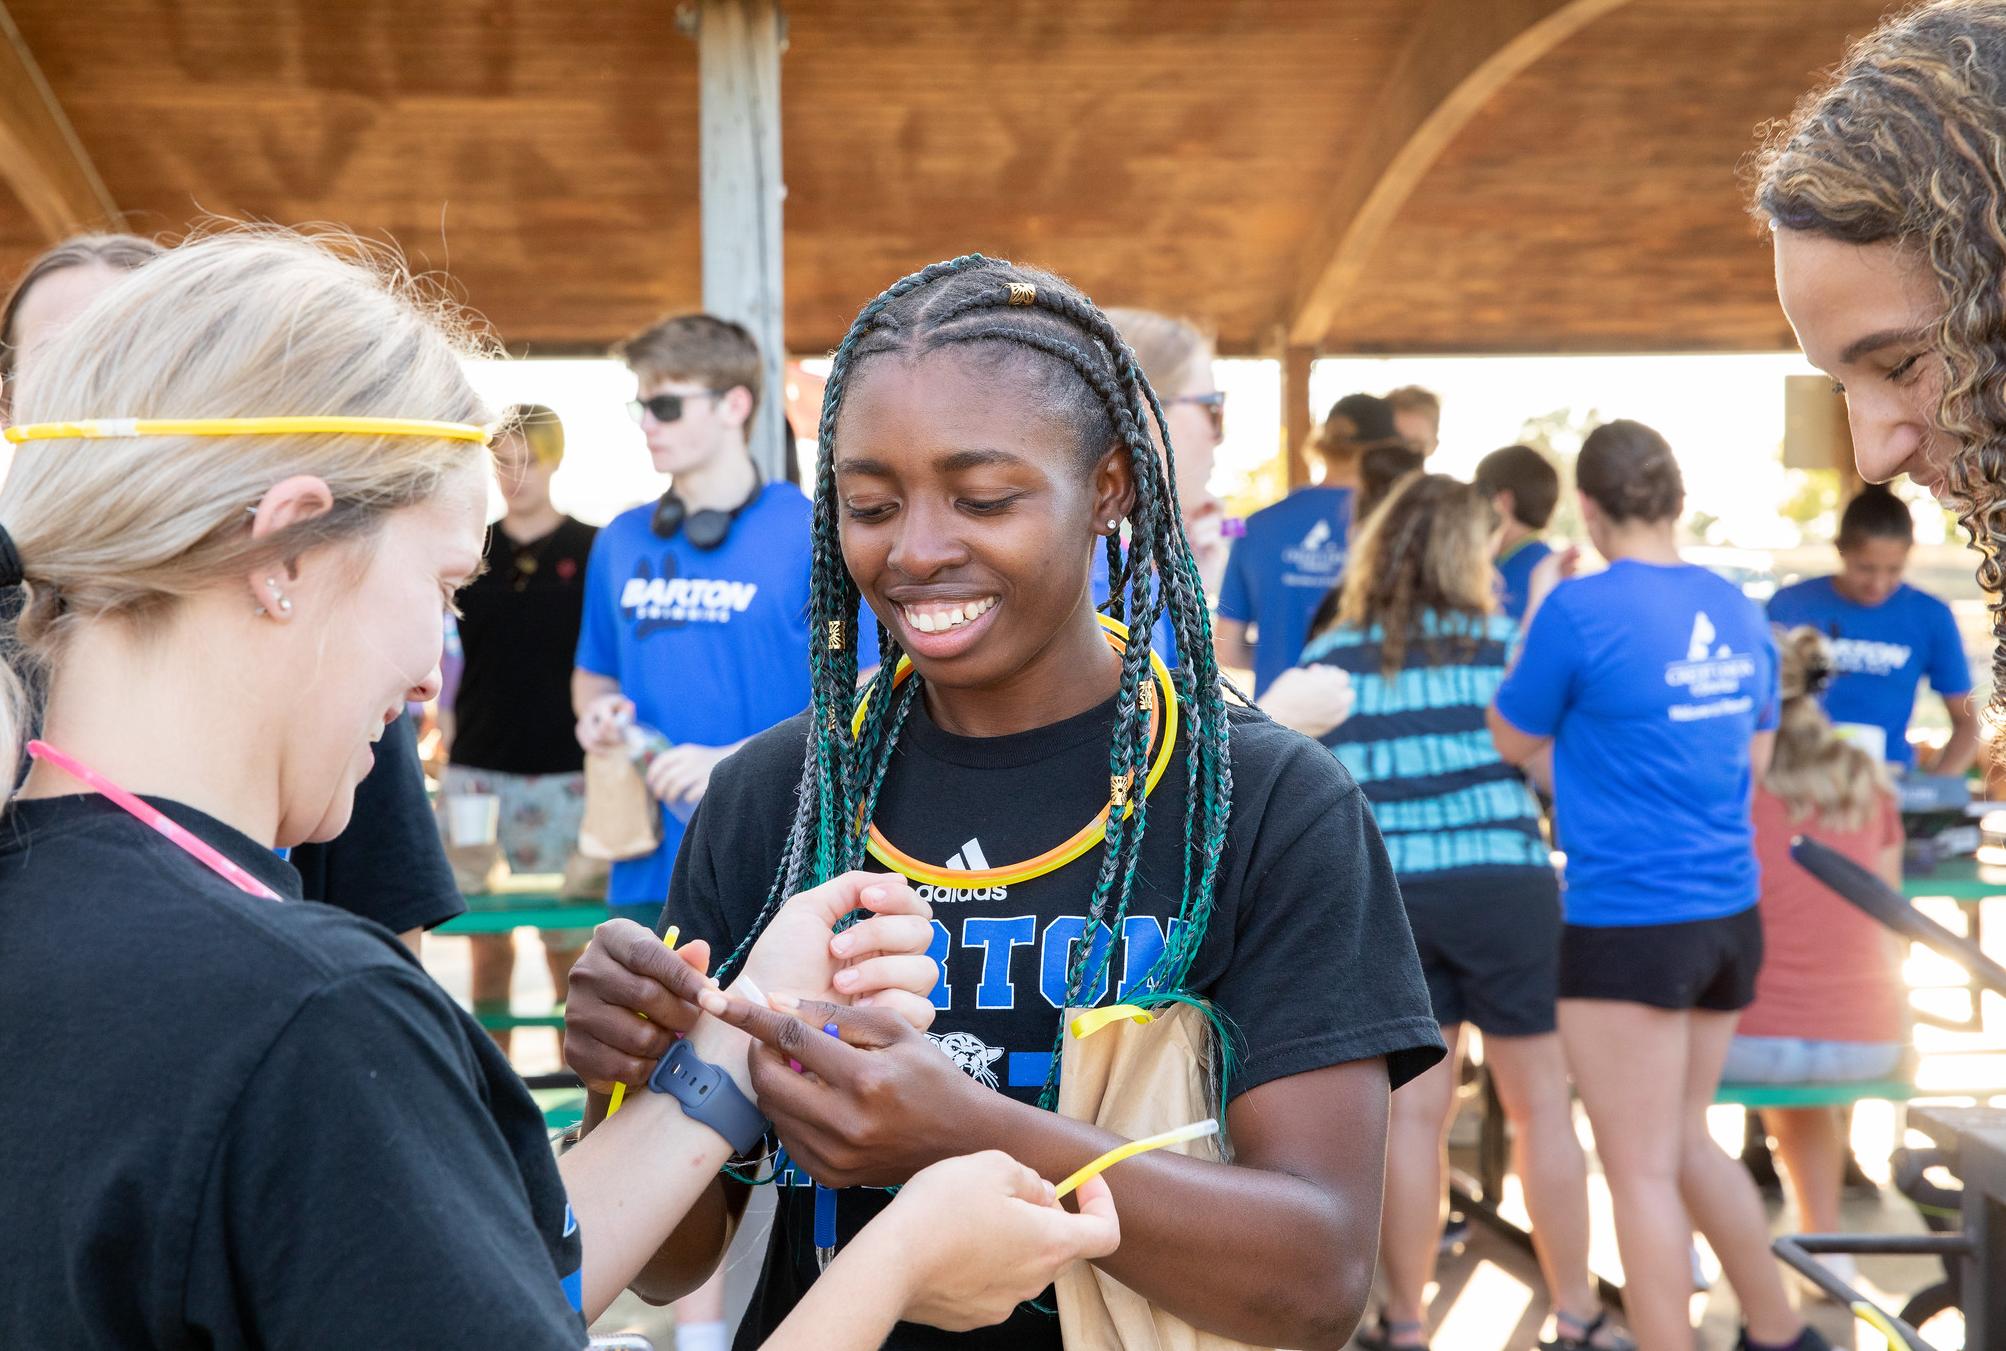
x=1118 y=790
x=1147 y=697
x=835 y=635
x=1023 y=293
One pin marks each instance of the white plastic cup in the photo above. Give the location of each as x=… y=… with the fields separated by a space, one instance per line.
x=472 y=819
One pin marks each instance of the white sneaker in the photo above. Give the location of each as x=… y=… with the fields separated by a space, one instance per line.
x=1843 y=1266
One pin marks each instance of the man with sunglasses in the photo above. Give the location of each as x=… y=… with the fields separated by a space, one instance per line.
x=696 y=604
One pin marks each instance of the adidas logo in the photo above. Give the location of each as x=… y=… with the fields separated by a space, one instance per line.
x=968 y=858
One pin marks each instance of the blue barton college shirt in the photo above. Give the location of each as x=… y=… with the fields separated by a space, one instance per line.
x=1417 y=744
x=1880 y=654
x=1651 y=680
x=711 y=645
x=1278 y=572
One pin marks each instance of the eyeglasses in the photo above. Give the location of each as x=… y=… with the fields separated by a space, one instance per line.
x=669 y=407
x=1214 y=405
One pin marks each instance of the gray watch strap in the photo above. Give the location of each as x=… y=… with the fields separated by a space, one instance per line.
x=708 y=1095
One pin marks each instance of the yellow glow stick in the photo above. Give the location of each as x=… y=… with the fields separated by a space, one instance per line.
x=1197 y=1130
x=620 y=1090
x=1874 y=1319
x=109 y=429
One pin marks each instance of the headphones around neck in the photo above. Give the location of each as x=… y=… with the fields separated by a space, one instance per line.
x=706 y=529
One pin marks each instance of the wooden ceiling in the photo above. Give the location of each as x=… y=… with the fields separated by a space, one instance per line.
x=1355 y=175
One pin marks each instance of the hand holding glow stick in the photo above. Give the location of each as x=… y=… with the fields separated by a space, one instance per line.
x=620 y=1090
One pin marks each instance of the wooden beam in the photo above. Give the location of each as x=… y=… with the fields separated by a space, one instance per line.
x=41 y=158
x=738 y=73
x=1298 y=422
x=1458 y=56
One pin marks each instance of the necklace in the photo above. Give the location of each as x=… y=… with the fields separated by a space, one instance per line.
x=180 y=836
x=1160 y=700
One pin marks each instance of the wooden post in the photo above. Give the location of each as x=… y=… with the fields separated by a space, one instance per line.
x=1297 y=423
x=738 y=68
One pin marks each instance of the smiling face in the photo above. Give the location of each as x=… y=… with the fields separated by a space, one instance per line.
x=366 y=635
x=1865 y=315
x=968 y=513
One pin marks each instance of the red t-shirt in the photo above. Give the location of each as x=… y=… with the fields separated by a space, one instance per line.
x=1830 y=972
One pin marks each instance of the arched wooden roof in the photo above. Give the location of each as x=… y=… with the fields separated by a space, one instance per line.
x=1354 y=175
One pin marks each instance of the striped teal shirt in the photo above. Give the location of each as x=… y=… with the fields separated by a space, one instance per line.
x=1417 y=744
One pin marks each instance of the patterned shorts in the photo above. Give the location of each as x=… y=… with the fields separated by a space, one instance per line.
x=536 y=830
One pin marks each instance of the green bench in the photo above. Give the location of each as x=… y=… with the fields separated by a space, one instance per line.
x=527 y=902
x=1757 y=1096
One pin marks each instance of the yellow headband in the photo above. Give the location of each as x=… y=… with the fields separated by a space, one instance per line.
x=99 y=429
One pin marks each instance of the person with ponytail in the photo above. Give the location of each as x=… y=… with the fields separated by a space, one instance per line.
x=1881 y=194
x=1653 y=685
x=1417 y=632
x=1830 y=1004
x=249 y=478
x=1886 y=637
x=1090 y=828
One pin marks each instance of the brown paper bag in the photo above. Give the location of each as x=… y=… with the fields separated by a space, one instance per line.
x=1135 y=1080
x=622 y=819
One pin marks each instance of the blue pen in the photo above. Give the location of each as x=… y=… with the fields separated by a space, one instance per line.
x=825 y=1208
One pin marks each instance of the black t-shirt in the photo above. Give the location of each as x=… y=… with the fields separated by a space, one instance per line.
x=233 y=1122
x=519 y=625
x=1308 y=951
x=389 y=865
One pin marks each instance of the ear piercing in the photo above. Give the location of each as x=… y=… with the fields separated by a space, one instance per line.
x=284 y=605
x=1113 y=525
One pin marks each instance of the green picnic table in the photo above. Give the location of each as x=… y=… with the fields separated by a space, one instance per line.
x=524 y=902
x=1964 y=880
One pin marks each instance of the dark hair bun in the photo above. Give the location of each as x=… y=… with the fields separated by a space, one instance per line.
x=1629 y=471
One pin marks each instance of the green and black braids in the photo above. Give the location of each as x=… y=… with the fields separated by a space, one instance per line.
x=1031 y=326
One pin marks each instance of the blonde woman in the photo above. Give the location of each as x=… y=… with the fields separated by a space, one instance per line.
x=1829 y=1000
x=244 y=1120
x=1417 y=633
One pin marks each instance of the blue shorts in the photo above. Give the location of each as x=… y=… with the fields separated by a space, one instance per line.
x=1793 y=1060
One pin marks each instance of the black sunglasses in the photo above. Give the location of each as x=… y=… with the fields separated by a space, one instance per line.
x=669 y=407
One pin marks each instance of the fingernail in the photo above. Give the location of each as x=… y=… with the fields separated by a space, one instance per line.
x=1051 y=1194
x=712 y=1002
x=787 y=1002
x=863 y=1001
x=840 y=946
x=845 y=979
x=874 y=893
x=794 y=1065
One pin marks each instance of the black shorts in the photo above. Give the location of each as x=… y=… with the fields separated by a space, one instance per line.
x=1701 y=964
x=1489 y=941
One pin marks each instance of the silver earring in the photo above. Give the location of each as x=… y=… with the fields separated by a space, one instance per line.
x=1113 y=526
x=285 y=605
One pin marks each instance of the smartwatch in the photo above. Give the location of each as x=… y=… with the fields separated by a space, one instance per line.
x=708 y=1095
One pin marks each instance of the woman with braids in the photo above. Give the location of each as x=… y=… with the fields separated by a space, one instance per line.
x=986 y=430
x=1416 y=630
x=1653 y=684
x=1884 y=194
x=1887 y=636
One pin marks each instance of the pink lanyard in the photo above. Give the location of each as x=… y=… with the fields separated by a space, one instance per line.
x=204 y=853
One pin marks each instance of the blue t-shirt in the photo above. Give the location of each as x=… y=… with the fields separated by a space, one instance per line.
x=711 y=645
x=1165 y=637
x=1280 y=570
x=1515 y=577
x=1651 y=680
x=1880 y=653
x=1417 y=744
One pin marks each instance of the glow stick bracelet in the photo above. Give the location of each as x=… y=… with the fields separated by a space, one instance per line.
x=620 y=1090
x=1197 y=1130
